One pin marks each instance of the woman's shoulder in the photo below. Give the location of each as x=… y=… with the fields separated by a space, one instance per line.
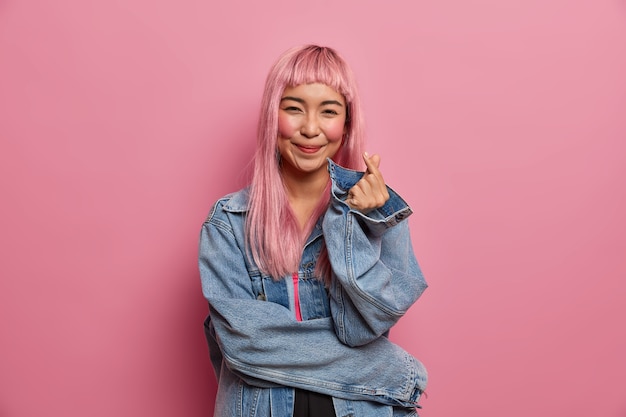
x=236 y=202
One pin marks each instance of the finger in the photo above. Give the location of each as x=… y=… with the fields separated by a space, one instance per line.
x=374 y=189
x=366 y=195
x=373 y=174
x=358 y=195
x=372 y=163
x=362 y=189
x=354 y=199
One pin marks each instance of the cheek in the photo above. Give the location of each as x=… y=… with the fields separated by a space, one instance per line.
x=335 y=131
x=286 y=127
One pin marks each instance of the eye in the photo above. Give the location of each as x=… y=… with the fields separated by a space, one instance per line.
x=330 y=112
x=292 y=109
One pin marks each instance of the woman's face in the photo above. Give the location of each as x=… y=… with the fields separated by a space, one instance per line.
x=311 y=126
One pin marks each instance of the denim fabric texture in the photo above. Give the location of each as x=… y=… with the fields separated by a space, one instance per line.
x=258 y=349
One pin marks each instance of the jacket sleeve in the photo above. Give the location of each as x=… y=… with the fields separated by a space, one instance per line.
x=263 y=343
x=375 y=275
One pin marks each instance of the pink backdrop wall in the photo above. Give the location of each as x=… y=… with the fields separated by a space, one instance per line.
x=503 y=123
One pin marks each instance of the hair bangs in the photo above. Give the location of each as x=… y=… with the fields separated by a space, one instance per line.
x=319 y=65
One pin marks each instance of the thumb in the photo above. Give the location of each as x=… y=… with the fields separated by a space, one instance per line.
x=372 y=162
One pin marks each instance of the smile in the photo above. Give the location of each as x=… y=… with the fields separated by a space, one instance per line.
x=308 y=149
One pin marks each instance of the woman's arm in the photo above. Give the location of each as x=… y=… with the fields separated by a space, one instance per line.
x=261 y=340
x=376 y=277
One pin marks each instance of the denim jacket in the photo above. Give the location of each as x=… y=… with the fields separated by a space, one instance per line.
x=260 y=352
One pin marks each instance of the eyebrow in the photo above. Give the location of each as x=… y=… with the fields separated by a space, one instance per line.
x=324 y=103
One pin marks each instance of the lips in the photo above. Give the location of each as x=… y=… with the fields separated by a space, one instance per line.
x=308 y=149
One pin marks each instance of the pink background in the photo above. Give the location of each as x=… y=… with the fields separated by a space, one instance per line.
x=502 y=122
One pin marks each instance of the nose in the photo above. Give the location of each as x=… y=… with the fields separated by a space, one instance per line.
x=311 y=127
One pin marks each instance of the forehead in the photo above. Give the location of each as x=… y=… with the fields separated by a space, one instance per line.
x=314 y=92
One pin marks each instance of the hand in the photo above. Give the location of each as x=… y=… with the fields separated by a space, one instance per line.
x=370 y=192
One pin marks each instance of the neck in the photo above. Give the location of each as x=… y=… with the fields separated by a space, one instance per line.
x=304 y=194
x=305 y=187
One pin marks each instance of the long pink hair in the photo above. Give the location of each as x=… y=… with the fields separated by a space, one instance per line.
x=274 y=236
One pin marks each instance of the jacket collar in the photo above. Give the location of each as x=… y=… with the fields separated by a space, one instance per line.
x=237 y=202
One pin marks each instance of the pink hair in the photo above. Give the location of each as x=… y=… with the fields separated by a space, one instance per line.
x=274 y=236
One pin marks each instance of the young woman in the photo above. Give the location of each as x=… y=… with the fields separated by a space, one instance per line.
x=308 y=268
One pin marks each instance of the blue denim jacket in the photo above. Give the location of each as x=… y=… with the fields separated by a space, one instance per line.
x=258 y=349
